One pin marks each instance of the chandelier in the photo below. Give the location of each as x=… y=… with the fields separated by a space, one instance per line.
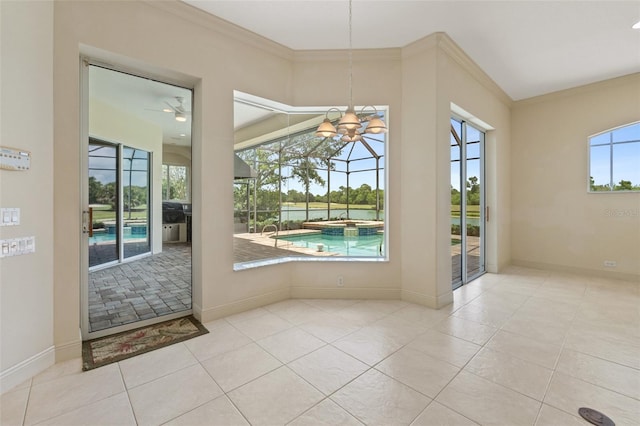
x=351 y=127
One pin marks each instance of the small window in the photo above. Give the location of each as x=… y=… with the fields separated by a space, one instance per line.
x=175 y=183
x=614 y=160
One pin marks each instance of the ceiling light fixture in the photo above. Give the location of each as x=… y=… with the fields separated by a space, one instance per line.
x=181 y=116
x=636 y=26
x=350 y=124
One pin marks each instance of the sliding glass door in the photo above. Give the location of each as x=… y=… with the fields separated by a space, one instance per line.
x=467 y=202
x=119 y=200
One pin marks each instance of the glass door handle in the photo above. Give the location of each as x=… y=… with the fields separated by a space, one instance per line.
x=87 y=221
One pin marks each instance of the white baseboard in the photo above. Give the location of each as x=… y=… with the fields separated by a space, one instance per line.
x=576 y=270
x=344 y=293
x=428 y=301
x=26 y=369
x=243 y=305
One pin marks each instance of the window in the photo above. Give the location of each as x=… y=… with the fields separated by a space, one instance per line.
x=175 y=183
x=301 y=196
x=614 y=160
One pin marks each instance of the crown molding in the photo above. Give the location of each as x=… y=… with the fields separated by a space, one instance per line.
x=224 y=28
x=453 y=51
x=443 y=43
x=586 y=88
x=390 y=54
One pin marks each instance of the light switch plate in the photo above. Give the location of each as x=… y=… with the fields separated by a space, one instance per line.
x=9 y=216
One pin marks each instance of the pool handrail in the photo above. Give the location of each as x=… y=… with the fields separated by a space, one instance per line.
x=276 y=232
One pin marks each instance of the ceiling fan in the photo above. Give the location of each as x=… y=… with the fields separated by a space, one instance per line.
x=179 y=110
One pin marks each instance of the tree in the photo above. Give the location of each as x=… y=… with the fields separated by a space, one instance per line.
x=624 y=185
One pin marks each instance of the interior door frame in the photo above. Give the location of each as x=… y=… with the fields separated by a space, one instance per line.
x=84 y=63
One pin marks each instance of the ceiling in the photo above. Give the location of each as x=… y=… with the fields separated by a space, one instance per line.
x=528 y=48
x=144 y=99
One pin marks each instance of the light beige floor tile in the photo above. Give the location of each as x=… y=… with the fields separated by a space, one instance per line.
x=619 y=349
x=329 y=328
x=331 y=305
x=276 y=398
x=525 y=348
x=536 y=328
x=569 y=394
x=521 y=376
x=235 y=368
x=397 y=329
x=263 y=326
x=24 y=385
x=60 y=369
x=246 y=315
x=290 y=344
x=368 y=346
x=421 y=372
x=218 y=341
x=550 y=416
x=421 y=315
x=606 y=374
x=470 y=331
x=152 y=365
x=46 y=399
x=439 y=415
x=361 y=314
x=13 y=405
x=385 y=307
x=549 y=309
x=488 y=403
x=445 y=347
x=327 y=413
x=376 y=399
x=220 y=411
x=487 y=316
x=294 y=311
x=328 y=369
x=173 y=395
x=114 y=410
x=215 y=324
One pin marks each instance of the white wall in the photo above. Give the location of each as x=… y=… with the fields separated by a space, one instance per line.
x=113 y=125
x=556 y=222
x=26 y=114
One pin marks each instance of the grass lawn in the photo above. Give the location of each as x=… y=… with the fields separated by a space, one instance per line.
x=472 y=211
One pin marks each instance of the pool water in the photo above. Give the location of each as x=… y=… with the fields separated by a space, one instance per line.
x=102 y=237
x=360 y=246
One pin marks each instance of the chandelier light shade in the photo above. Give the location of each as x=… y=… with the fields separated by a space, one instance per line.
x=350 y=124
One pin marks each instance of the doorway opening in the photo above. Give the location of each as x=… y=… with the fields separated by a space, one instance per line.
x=137 y=198
x=467 y=202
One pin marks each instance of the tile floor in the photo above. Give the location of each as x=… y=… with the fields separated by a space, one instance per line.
x=521 y=348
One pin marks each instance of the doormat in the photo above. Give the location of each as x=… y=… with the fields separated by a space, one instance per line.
x=109 y=349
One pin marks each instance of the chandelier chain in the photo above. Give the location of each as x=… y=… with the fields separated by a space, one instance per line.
x=350 y=58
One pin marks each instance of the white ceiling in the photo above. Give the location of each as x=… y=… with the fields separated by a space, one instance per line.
x=144 y=99
x=528 y=48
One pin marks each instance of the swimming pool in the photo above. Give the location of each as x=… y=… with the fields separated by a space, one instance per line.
x=103 y=237
x=358 y=246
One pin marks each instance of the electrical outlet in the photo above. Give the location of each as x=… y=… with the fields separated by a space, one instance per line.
x=610 y=263
x=340 y=281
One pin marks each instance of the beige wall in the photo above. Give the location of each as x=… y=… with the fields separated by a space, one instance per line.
x=194 y=53
x=419 y=83
x=321 y=79
x=555 y=222
x=113 y=125
x=26 y=114
x=436 y=73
